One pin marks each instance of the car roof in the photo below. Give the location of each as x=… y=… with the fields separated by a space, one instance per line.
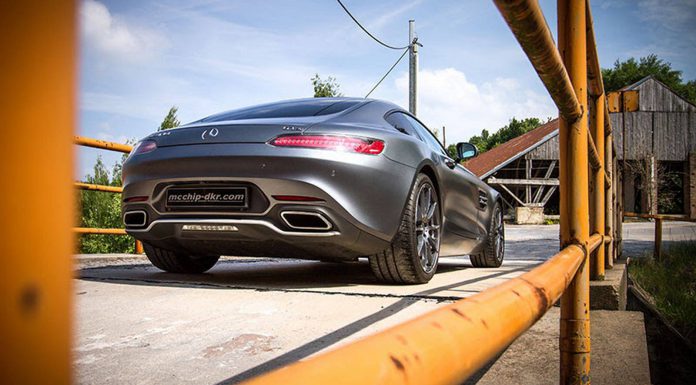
x=307 y=108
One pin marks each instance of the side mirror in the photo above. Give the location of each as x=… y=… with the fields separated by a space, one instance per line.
x=466 y=151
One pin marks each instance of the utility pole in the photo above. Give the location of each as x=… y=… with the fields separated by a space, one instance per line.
x=412 y=68
x=444 y=136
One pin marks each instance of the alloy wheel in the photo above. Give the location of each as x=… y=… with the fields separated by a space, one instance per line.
x=427 y=227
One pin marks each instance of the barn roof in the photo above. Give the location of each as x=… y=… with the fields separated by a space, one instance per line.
x=498 y=157
x=657 y=100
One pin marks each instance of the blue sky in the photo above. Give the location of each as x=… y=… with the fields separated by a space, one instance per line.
x=138 y=58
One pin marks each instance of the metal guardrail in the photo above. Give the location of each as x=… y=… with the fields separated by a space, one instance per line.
x=659 y=218
x=449 y=344
x=110 y=146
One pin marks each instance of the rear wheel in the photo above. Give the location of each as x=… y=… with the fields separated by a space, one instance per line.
x=178 y=263
x=494 y=249
x=413 y=255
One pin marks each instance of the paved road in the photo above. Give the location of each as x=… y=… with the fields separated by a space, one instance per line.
x=136 y=324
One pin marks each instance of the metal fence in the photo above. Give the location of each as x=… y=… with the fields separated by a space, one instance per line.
x=448 y=345
x=111 y=146
x=659 y=218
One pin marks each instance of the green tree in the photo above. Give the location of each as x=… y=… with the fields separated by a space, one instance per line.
x=627 y=72
x=171 y=120
x=452 y=150
x=515 y=128
x=103 y=210
x=328 y=88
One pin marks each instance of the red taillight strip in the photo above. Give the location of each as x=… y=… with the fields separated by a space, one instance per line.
x=331 y=142
x=144 y=147
x=296 y=198
x=136 y=199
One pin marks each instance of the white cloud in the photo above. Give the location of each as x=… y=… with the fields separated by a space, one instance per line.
x=110 y=35
x=670 y=14
x=448 y=98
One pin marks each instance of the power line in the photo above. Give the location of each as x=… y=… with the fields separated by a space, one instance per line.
x=390 y=70
x=368 y=32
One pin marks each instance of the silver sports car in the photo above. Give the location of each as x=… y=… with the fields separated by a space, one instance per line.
x=331 y=179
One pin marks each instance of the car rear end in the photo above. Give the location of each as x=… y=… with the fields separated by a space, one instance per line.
x=301 y=190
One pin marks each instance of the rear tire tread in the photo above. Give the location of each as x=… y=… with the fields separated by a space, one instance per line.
x=394 y=264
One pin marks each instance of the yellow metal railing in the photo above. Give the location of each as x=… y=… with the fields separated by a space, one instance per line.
x=659 y=218
x=111 y=146
x=448 y=345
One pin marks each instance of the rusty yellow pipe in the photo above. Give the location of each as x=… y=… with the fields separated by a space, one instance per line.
x=38 y=77
x=98 y=187
x=103 y=144
x=91 y=230
x=574 y=195
x=444 y=346
x=600 y=178
x=594 y=72
x=594 y=157
x=527 y=22
x=595 y=241
x=139 y=247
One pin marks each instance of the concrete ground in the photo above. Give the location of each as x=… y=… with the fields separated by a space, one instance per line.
x=136 y=324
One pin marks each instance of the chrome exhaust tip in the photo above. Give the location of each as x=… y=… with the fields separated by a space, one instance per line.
x=136 y=218
x=305 y=220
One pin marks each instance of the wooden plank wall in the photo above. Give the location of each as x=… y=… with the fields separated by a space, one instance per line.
x=547 y=151
x=665 y=125
x=654 y=96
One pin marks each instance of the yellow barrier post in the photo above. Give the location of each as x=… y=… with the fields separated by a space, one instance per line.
x=38 y=77
x=573 y=138
x=609 y=202
x=139 y=247
x=599 y=183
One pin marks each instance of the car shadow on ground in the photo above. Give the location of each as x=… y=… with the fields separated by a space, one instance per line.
x=271 y=274
x=267 y=273
x=259 y=274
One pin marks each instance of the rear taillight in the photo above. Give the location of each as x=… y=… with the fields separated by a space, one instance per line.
x=144 y=146
x=296 y=198
x=135 y=199
x=331 y=142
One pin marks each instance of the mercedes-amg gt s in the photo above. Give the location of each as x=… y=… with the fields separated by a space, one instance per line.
x=322 y=178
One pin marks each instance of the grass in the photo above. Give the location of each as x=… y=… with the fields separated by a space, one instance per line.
x=672 y=283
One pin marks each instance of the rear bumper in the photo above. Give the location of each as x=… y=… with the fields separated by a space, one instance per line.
x=259 y=237
x=362 y=196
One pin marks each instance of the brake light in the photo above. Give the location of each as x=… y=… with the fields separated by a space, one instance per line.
x=296 y=198
x=144 y=147
x=331 y=142
x=136 y=199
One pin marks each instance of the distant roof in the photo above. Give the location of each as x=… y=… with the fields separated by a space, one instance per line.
x=638 y=83
x=637 y=86
x=497 y=157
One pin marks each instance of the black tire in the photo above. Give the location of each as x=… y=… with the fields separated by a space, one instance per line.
x=401 y=262
x=178 y=263
x=494 y=249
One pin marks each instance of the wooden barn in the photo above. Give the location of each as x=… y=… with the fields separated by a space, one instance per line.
x=655 y=141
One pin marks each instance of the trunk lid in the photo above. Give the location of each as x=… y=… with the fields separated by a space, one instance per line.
x=250 y=131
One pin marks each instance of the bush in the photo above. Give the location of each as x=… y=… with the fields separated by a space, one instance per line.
x=103 y=210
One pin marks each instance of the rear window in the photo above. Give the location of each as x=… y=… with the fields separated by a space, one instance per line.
x=293 y=109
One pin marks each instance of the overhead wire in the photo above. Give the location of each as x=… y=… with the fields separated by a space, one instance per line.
x=368 y=32
x=390 y=70
x=405 y=48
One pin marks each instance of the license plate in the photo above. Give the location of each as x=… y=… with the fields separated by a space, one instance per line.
x=208 y=197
